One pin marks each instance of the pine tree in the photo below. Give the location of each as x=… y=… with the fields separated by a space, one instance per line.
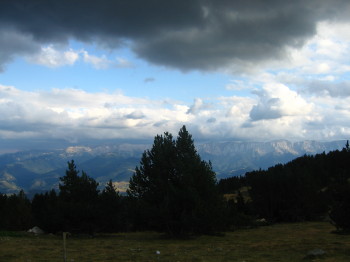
x=177 y=188
x=78 y=200
x=110 y=209
x=347 y=146
x=70 y=183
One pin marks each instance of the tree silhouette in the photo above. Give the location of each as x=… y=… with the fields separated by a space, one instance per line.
x=78 y=200
x=177 y=189
x=110 y=209
x=15 y=212
x=45 y=210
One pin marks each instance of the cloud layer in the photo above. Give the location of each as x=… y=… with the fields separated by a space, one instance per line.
x=273 y=113
x=289 y=64
x=202 y=34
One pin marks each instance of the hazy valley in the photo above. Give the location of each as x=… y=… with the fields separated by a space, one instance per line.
x=40 y=170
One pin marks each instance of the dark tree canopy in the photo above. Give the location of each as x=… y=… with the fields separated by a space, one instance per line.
x=45 y=209
x=177 y=188
x=78 y=200
x=110 y=209
x=15 y=212
x=77 y=188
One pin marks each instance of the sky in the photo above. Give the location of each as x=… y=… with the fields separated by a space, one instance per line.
x=92 y=71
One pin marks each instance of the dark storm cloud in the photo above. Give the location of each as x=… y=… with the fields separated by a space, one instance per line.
x=198 y=34
x=12 y=43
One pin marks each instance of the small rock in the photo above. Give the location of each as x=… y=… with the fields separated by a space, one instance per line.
x=315 y=253
x=36 y=230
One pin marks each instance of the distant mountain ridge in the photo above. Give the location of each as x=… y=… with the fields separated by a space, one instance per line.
x=40 y=170
x=235 y=157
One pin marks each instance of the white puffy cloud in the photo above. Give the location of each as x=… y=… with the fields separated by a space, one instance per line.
x=326 y=52
x=276 y=101
x=198 y=107
x=276 y=111
x=68 y=113
x=52 y=57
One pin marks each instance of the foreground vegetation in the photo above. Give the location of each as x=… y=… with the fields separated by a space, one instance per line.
x=173 y=191
x=280 y=242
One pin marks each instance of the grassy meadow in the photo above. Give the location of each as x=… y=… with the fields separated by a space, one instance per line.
x=281 y=242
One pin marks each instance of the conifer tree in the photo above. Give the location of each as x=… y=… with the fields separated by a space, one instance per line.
x=177 y=188
x=110 y=209
x=78 y=200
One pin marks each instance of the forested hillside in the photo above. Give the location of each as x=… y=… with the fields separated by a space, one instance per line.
x=174 y=191
x=307 y=188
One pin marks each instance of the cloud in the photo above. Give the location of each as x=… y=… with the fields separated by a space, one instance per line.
x=122 y=63
x=97 y=62
x=329 y=88
x=276 y=101
x=103 y=62
x=72 y=114
x=323 y=54
x=211 y=120
x=51 y=57
x=13 y=43
x=204 y=34
x=135 y=115
x=149 y=80
x=267 y=109
x=75 y=116
x=198 y=106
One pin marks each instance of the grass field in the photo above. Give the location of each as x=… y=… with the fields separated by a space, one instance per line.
x=282 y=242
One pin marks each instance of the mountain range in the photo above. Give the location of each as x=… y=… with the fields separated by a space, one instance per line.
x=39 y=170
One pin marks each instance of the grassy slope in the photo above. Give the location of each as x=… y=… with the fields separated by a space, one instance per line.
x=284 y=242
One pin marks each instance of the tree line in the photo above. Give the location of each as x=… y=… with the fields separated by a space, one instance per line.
x=78 y=206
x=307 y=188
x=174 y=191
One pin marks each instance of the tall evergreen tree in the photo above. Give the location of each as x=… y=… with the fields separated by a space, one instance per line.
x=340 y=191
x=78 y=200
x=347 y=146
x=110 y=209
x=177 y=188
